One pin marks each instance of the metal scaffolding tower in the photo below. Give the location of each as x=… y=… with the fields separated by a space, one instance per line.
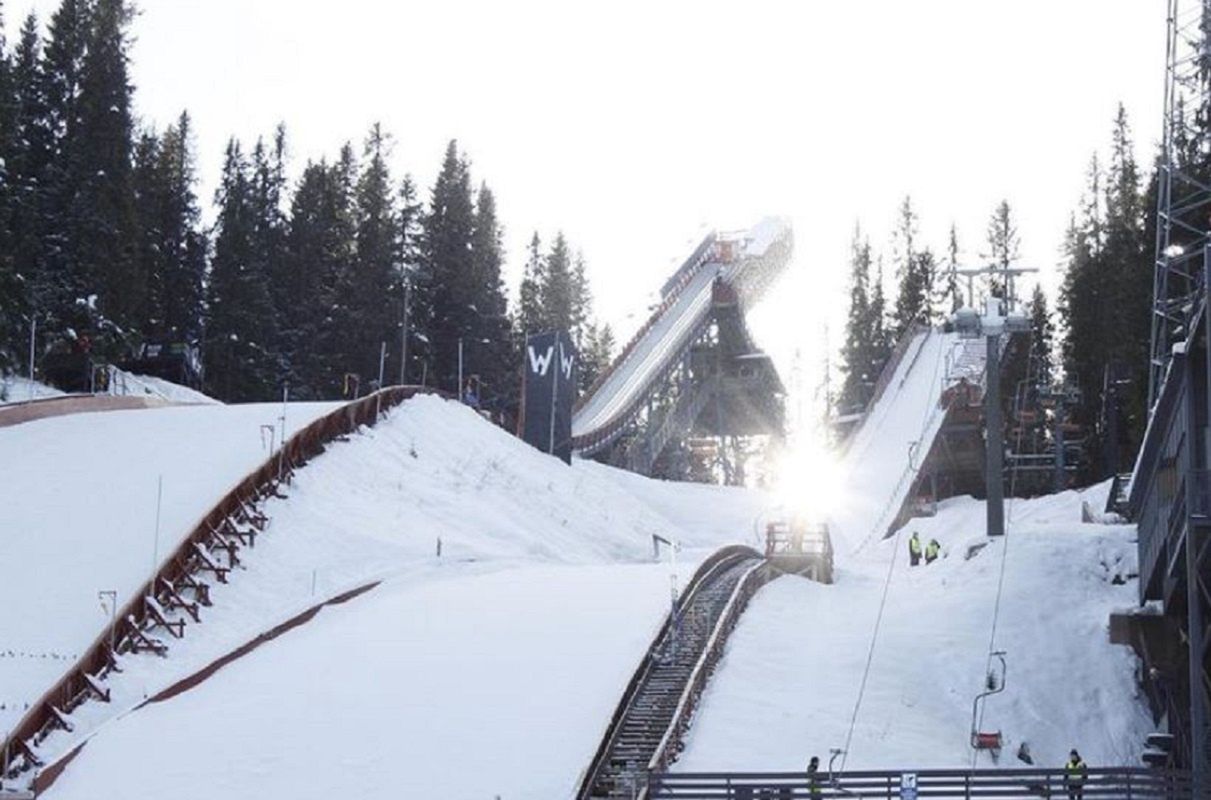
x=1183 y=212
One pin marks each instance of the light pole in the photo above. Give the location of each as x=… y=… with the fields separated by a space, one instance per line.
x=403 y=336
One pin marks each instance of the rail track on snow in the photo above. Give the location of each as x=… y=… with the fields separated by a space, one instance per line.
x=645 y=733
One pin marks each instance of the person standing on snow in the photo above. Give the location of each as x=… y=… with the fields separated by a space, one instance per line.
x=1075 y=774
x=931 y=551
x=914 y=550
x=813 y=778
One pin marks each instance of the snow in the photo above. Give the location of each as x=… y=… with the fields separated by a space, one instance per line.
x=492 y=670
x=129 y=383
x=534 y=617
x=482 y=687
x=78 y=512
x=16 y=389
x=786 y=687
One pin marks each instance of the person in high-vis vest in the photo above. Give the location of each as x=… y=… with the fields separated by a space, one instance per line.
x=1075 y=775
x=931 y=551
x=813 y=778
x=914 y=550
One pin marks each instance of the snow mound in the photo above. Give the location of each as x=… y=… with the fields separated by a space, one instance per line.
x=786 y=688
x=78 y=505
x=16 y=389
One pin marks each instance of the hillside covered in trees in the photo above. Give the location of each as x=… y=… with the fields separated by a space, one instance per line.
x=1092 y=339
x=296 y=283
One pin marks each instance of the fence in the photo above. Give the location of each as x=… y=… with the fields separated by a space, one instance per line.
x=143 y=611
x=1120 y=783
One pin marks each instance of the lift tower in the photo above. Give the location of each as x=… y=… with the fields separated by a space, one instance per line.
x=1000 y=317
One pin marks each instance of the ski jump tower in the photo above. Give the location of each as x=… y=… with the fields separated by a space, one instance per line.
x=691 y=390
x=1170 y=491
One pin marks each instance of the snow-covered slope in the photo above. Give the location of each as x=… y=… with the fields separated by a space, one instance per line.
x=78 y=501
x=16 y=389
x=128 y=383
x=531 y=621
x=786 y=688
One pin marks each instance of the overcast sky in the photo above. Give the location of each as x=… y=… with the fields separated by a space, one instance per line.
x=631 y=125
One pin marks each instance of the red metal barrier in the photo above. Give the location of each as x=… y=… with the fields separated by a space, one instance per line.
x=234 y=521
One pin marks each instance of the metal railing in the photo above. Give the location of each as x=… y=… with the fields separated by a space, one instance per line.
x=1125 y=783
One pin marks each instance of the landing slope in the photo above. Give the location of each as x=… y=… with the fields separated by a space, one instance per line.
x=78 y=499
x=787 y=686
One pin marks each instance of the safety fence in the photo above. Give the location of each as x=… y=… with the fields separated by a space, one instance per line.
x=181 y=584
x=1124 y=783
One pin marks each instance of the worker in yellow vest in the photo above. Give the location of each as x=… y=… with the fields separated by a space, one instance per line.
x=1075 y=775
x=931 y=551
x=914 y=550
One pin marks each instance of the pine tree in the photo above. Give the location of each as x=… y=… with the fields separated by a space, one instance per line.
x=557 y=290
x=101 y=241
x=914 y=272
x=596 y=354
x=948 y=294
x=26 y=169
x=880 y=334
x=530 y=315
x=12 y=288
x=857 y=352
x=171 y=248
x=582 y=301
x=312 y=296
x=1042 y=339
x=1004 y=246
x=493 y=359
x=419 y=306
x=54 y=171
x=241 y=363
x=376 y=283
x=448 y=266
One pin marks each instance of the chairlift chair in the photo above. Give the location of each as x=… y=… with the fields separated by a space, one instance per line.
x=991 y=741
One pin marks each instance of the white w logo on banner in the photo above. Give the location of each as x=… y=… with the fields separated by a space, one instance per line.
x=567 y=362
x=539 y=364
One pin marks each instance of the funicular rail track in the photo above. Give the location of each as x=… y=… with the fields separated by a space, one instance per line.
x=1126 y=783
x=658 y=703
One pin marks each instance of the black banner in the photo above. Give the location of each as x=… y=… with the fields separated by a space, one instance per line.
x=548 y=389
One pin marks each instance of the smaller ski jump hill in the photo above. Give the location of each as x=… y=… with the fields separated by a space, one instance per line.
x=887 y=451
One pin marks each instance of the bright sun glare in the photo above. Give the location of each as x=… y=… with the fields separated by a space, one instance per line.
x=809 y=482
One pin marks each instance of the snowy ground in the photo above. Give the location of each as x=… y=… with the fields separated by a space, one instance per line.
x=128 y=383
x=530 y=622
x=78 y=516
x=787 y=685
x=15 y=389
